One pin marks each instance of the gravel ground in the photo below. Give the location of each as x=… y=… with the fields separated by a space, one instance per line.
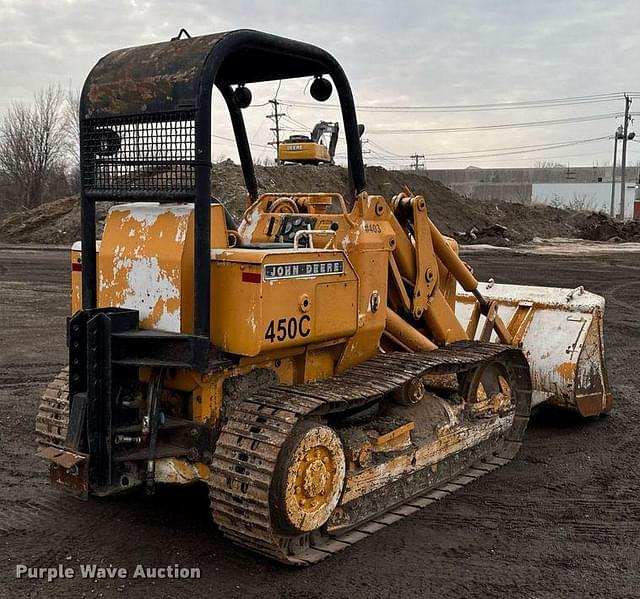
x=562 y=520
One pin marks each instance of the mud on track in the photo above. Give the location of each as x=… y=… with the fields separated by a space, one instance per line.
x=562 y=520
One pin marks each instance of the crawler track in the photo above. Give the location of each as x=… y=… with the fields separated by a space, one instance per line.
x=53 y=412
x=247 y=450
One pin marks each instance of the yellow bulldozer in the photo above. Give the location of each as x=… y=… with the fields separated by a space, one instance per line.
x=327 y=366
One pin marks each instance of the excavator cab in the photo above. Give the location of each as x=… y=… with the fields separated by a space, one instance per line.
x=326 y=366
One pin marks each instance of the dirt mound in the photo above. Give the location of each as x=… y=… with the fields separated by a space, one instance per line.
x=56 y=222
x=470 y=221
x=601 y=227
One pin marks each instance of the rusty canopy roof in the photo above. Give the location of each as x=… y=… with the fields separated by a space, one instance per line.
x=179 y=74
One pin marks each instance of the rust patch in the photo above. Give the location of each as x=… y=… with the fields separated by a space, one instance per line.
x=68 y=471
x=159 y=77
x=590 y=405
x=567 y=370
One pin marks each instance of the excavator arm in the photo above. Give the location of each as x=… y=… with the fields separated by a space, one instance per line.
x=325 y=128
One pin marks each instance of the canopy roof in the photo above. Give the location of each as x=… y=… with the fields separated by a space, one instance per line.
x=172 y=75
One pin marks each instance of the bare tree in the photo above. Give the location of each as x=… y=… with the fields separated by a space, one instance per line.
x=265 y=160
x=33 y=147
x=71 y=128
x=582 y=201
x=556 y=201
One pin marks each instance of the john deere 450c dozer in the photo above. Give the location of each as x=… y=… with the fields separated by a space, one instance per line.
x=326 y=366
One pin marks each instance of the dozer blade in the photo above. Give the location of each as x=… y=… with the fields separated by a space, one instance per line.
x=560 y=332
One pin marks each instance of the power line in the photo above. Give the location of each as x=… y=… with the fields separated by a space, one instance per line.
x=521 y=125
x=493 y=152
x=233 y=141
x=528 y=159
x=523 y=104
x=525 y=150
x=394 y=162
x=377 y=145
x=297 y=123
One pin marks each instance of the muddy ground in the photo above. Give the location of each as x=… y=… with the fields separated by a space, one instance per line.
x=562 y=520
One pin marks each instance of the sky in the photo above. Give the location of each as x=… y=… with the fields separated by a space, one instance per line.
x=398 y=54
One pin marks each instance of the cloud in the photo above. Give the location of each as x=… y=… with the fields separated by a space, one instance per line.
x=413 y=52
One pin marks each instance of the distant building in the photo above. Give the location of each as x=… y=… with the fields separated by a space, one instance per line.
x=577 y=187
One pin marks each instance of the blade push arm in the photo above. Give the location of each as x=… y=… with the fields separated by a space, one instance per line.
x=417 y=287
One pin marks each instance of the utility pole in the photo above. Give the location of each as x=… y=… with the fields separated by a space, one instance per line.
x=625 y=133
x=275 y=116
x=416 y=161
x=616 y=136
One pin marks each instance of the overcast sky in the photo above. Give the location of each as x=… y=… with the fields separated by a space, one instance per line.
x=395 y=53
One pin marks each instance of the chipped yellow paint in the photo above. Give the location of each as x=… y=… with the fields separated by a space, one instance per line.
x=314 y=478
x=394 y=440
x=567 y=370
x=456 y=440
x=145 y=261
x=177 y=471
x=140 y=262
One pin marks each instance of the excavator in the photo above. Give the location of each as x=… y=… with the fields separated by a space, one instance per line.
x=310 y=149
x=326 y=366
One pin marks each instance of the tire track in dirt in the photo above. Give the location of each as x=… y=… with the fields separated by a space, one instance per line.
x=559 y=521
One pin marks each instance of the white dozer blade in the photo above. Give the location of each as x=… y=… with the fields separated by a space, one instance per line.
x=560 y=331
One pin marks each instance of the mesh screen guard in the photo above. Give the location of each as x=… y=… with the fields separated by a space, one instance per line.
x=151 y=154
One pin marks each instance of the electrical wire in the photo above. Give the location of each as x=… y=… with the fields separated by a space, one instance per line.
x=522 y=150
x=377 y=145
x=505 y=151
x=493 y=106
x=233 y=141
x=521 y=125
x=395 y=164
x=296 y=122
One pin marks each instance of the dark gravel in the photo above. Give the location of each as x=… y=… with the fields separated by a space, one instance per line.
x=562 y=520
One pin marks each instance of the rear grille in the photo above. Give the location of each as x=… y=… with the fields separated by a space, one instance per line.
x=139 y=155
